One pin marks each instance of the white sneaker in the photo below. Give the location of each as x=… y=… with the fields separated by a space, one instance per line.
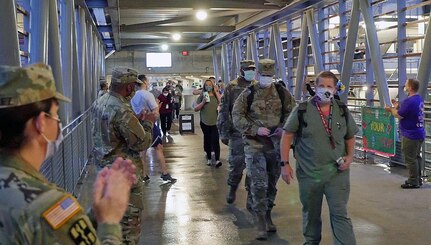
x=209 y=162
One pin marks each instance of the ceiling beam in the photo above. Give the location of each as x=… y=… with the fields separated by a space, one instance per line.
x=188 y=4
x=212 y=17
x=184 y=29
x=164 y=40
x=113 y=12
x=279 y=3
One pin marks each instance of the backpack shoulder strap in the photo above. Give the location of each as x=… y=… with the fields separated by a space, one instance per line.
x=343 y=108
x=250 y=97
x=281 y=94
x=302 y=108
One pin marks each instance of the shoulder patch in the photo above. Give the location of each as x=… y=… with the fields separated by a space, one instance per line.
x=80 y=233
x=62 y=211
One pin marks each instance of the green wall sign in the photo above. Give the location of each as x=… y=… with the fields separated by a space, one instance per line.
x=378 y=131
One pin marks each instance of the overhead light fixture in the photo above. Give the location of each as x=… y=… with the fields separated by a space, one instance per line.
x=164 y=47
x=176 y=36
x=201 y=14
x=365 y=87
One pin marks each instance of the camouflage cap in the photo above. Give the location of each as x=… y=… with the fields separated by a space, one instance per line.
x=22 y=86
x=125 y=75
x=247 y=64
x=266 y=67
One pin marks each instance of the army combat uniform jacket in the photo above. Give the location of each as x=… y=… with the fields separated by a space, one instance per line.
x=34 y=211
x=117 y=131
x=265 y=111
x=224 y=119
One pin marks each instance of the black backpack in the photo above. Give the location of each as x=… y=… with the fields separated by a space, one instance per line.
x=280 y=90
x=302 y=108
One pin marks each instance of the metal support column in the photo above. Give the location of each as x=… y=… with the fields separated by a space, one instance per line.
x=252 y=45
x=346 y=68
x=401 y=45
x=376 y=60
x=289 y=56
x=39 y=31
x=369 y=95
x=281 y=64
x=9 y=47
x=215 y=64
x=301 y=68
x=76 y=80
x=236 y=58
x=424 y=65
x=224 y=64
x=67 y=17
x=54 y=55
x=82 y=49
x=314 y=39
x=89 y=68
x=265 y=43
x=343 y=34
x=321 y=34
x=271 y=46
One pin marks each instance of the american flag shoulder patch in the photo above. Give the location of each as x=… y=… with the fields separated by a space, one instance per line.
x=62 y=211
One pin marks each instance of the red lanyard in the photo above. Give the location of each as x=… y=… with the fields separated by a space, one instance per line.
x=327 y=125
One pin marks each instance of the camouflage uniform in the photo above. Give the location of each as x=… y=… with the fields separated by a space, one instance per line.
x=28 y=201
x=262 y=154
x=117 y=132
x=228 y=132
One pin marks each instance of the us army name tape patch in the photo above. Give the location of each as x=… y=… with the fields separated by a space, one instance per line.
x=80 y=232
x=61 y=212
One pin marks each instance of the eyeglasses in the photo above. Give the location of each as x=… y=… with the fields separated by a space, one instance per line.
x=52 y=117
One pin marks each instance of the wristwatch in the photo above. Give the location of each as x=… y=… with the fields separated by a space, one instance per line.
x=282 y=163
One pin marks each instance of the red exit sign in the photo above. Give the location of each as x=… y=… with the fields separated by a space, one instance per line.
x=185 y=53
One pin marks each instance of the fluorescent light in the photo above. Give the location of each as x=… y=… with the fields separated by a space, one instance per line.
x=365 y=88
x=176 y=36
x=110 y=53
x=164 y=47
x=201 y=14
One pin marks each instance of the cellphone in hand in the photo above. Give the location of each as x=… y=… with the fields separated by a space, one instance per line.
x=206 y=96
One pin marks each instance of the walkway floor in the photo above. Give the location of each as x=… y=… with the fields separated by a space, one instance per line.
x=194 y=211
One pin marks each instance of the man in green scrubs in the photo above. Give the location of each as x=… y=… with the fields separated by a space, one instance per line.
x=324 y=153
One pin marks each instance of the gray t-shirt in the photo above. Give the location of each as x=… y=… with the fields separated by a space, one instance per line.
x=143 y=100
x=313 y=152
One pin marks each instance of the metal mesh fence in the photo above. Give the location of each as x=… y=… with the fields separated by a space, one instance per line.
x=67 y=165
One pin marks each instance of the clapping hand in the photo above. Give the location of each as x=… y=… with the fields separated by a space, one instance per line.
x=111 y=191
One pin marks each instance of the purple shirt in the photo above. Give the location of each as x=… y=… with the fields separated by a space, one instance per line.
x=412 y=123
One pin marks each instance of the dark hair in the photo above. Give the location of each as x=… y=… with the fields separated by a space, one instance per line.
x=211 y=78
x=103 y=85
x=14 y=119
x=414 y=84
x=142 y=77
x=327 y=74
x=165 y=89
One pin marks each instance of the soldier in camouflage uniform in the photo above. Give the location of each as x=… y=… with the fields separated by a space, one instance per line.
x=118 y=132
x=260 y=124
x=32 y=210
x=229 y=135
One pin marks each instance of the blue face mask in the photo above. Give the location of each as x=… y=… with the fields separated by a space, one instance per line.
x=249 y=75
x=208 y=88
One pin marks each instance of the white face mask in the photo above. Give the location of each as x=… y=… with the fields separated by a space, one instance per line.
x=324 y=94
x=249 y=75
x=406 y=91
x=53 y=145
x=165 y=94
x=265 y=81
